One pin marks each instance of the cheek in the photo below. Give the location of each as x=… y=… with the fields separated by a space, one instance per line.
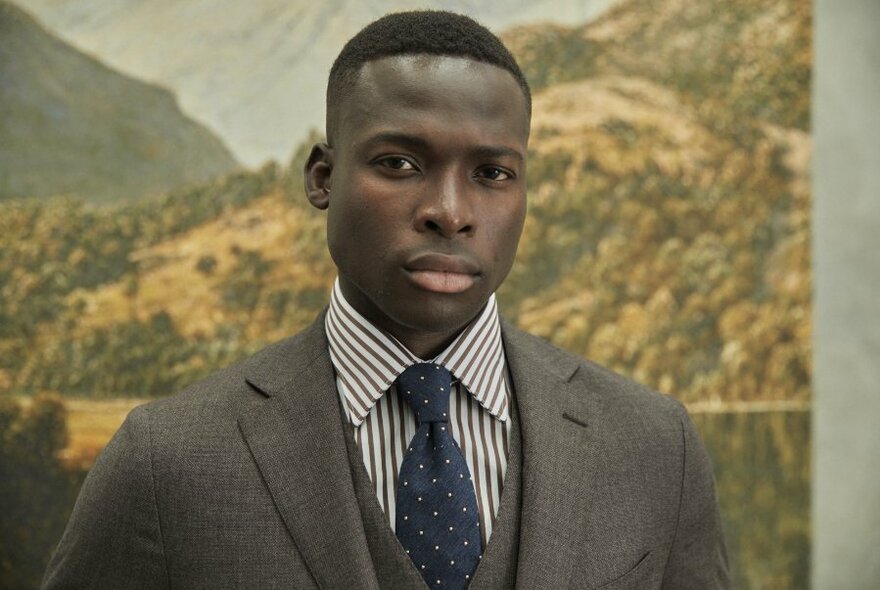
x=359 y=224
x=506 y=230
x=343 y=233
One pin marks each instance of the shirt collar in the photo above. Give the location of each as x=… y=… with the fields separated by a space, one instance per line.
x=367 y=359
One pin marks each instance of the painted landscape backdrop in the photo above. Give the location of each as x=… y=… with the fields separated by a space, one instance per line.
x=150 y=234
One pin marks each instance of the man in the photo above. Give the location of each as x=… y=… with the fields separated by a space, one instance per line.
x=340 y=458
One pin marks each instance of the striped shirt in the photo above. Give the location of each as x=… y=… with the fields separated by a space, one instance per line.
x=367 y=361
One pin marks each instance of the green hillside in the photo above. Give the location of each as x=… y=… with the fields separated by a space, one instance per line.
x=71 y=126
x=54 y=255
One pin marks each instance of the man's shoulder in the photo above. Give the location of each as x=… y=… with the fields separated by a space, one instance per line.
x=229 y=391
x=604 y=388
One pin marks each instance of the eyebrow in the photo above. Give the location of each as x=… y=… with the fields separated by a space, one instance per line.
x=416 y=142
x=497 y=151
x=412 y=141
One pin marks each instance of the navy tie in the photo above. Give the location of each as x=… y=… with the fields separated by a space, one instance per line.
x=437 y=520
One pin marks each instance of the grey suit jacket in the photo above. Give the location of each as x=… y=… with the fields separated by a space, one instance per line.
x=242 y=481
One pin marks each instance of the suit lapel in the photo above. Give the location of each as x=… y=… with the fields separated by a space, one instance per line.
x=295 y=436
x=557 y=444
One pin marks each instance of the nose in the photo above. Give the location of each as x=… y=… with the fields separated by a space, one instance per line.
x=446 y=208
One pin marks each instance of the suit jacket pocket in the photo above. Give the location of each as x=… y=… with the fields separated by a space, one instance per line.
x=638 y=577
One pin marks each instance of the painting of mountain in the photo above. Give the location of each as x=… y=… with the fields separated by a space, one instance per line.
x=71 y=126
x=667 y=237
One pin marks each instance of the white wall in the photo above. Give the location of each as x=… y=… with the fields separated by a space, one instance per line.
x=846 y=259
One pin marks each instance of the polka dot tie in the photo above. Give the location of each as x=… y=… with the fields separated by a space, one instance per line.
x=437 y=520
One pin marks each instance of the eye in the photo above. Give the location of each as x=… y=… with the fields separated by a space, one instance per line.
x=396 y=163
x=494 y=173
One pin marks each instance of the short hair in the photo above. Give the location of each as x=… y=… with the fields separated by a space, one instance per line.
x=433 y=32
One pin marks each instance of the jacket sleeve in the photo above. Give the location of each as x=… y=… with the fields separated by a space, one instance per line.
x=113 y=538
x=698 y=558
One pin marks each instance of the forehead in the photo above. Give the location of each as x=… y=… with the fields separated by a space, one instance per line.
x=424 y=91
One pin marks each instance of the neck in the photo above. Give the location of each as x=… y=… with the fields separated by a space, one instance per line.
x=426 y=345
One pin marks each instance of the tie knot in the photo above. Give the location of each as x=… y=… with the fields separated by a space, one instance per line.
x=425 y=387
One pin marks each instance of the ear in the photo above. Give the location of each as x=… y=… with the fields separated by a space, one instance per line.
x=316 y=173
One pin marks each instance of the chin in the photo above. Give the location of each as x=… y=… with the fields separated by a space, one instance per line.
x=439 y=313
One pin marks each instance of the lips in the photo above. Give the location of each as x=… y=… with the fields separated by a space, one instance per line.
x=442 y=273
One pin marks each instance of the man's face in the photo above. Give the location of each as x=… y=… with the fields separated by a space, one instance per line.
x=425 y=191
